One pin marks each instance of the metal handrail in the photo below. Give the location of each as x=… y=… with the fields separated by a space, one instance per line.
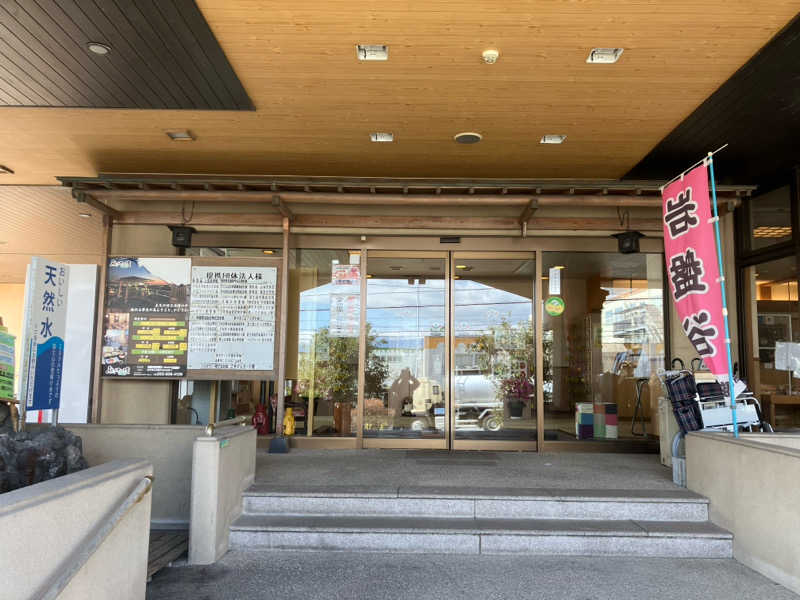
x=212 y=427
x=97 y=537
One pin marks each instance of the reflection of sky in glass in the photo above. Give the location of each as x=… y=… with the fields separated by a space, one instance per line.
x=397 y=310
x=479 y=307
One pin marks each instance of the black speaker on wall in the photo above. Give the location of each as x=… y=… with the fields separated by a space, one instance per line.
x=182 y=236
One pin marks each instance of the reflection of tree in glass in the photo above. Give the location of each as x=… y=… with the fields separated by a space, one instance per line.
x=506 y=354
x=330 y=369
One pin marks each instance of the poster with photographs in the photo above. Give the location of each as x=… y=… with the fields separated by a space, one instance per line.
x=232 y=318
x=145 y=329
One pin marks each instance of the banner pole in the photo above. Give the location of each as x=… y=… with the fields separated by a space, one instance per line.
x=731 y=391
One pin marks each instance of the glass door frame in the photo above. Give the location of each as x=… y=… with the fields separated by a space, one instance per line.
x=402 y=443
x=536 y=308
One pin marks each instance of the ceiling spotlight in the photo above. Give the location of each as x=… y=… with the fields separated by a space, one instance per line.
x=552 y=139
x=490 y=56
x=604 y=56
x=372 y=52
x=5 y=170
x=183 y=135
x=468 y=137
x=98 y=48
x=84 y=215
x=380 y=136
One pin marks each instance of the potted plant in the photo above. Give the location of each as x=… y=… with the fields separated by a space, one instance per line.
x=505 y=354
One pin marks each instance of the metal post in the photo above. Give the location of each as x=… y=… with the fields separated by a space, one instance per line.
x=731 y=392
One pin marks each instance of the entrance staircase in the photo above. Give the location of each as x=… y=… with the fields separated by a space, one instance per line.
x=656 y=523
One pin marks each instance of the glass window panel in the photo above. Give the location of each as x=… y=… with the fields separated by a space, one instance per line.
x=494 y=380
x=323 y=321
x=774 y=322
x=603 y=334
x=770 y=218
x=405 y=379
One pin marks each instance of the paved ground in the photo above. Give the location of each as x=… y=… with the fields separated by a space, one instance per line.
x=339 y=576
x=401 y=468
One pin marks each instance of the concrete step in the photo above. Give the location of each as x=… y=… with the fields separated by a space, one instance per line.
x=483 y=536
x=477 y=503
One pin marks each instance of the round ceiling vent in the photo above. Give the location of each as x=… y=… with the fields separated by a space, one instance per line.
x=468 y=137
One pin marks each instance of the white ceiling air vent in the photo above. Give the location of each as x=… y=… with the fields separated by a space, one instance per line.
x=552 y=139
x=372 y=52
x=604 y=56
x=381 y=136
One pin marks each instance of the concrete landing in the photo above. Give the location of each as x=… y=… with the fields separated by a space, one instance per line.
x=435 y=468
x=242 y=575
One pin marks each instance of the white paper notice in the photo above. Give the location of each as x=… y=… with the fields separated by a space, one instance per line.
x=232 y=318
x=555 y=281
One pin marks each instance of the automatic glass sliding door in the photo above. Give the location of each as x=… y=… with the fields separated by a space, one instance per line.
x=493 y=378
x=405 y=378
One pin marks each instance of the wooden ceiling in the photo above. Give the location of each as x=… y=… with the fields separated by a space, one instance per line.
x=316 y=103
x=45 y=221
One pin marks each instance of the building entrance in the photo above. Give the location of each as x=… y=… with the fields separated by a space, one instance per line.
x=449 y=350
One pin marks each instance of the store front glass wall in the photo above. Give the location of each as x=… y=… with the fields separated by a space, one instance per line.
x=494 y=375
x=405 y=381
x=770 y=217
x=323 y=341
x=603 y=343
x=774 y=320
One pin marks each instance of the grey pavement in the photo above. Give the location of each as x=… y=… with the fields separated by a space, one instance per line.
x=249 y=574
x=401 y=468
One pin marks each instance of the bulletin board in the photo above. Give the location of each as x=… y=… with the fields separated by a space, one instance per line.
x=234 y=318
x=201 y=318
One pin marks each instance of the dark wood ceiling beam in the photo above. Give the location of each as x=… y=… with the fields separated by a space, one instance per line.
x=184 y=195
x=412 y=223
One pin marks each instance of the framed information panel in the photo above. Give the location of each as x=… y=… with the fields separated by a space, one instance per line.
x=233 y=318
x=145 y=317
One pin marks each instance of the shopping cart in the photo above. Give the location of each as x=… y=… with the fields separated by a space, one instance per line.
x=700 y=404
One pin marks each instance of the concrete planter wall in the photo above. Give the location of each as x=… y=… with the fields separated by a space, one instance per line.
x=167 y=447
x=753 y=484
x=45 y=524
x=223 y=466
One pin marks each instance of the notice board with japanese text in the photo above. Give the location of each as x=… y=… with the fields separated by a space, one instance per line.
x=233 y=318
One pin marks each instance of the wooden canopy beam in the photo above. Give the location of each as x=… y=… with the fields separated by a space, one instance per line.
x=467 y=223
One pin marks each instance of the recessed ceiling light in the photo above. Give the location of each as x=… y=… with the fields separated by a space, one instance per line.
x=604 y=56
x=98 y=48
x=490 y=56
x=552 y=139
x=372 y=52
x=182 y=135
x=380 y=136
x=461 y=266
x=559 y=267
x=268 y=251
x=369 y=276
x=5 y=170
x=468 y=137
x=84 y=215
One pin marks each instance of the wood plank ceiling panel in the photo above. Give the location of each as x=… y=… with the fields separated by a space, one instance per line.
x=317 y=104
x=158 y=58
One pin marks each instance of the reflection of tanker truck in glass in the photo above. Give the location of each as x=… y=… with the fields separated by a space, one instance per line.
x=476 y=403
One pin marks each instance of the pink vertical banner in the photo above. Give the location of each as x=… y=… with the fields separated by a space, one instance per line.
x=692 y=267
